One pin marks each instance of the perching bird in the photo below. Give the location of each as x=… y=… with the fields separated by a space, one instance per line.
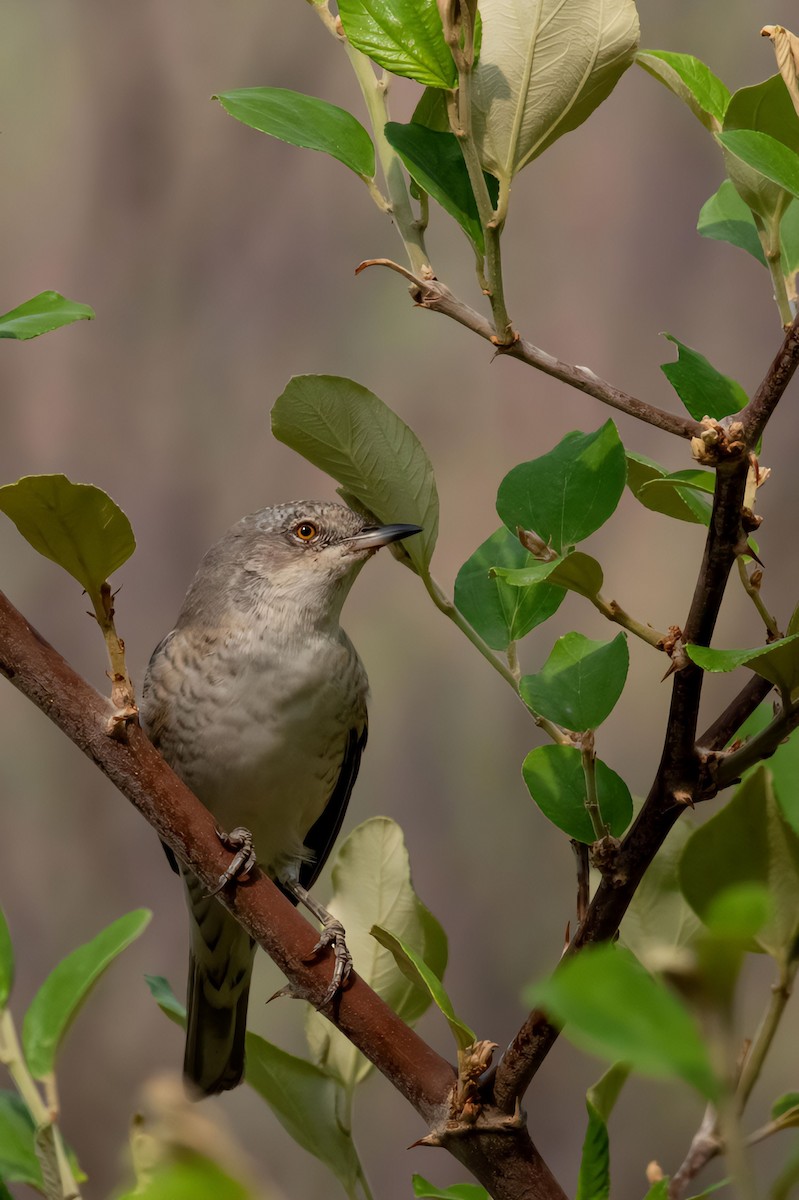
x=257 y=699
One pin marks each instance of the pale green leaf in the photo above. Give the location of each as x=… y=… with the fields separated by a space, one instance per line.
x=415 y=969
x=404 y=36
x=691 y=81
x=6 y=961
x=44 y=312
x=726 y=218
x=778 y=661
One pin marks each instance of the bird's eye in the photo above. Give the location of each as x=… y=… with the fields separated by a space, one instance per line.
x=306 y=531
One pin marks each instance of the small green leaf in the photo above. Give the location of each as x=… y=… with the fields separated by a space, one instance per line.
x=659 y=915
x=593 y=1182
x=695 y=480
x=192 y=1178
x=423 y=1190
x=763 y=110
x=691 y=81
x=18 y=1161
x=344 y=429
x=660 y=1190
x=62 y=994
x=766 y=155
x=434 y=160
x=372 y=886
x=704 y=391
x=555 y=780
x=748 y=842
x=785 y=1104
x=568 y=493
x=580 y=682
x=414 y=967
x=403 y=36
x=73 y=524
x=307 y=1102
x=613 y=1008
x=671 y=502
x=432 y=111
x=500 y=613
x=726 y=218
x=165 y=998
x=6 y=961
x=304 y=121
x=577 y=572
x=44 y=312
x=778 y=662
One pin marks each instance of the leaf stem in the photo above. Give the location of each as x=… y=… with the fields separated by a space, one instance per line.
x=614 y=612
x=588 y=758
x=751 y=585
x=761 y=1043
x=770 y=241
x=122 y=694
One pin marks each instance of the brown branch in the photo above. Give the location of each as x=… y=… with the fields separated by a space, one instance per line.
x=730 y=721
x=436 y=296
x=758 y=411
x=499 y=1153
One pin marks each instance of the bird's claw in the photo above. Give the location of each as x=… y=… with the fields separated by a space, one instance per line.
x=243 y=861
x=333 y=935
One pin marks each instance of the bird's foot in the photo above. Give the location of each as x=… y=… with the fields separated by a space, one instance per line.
x=333 y=935
x=240 y=841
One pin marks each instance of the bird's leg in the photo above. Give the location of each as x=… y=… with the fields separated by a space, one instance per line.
x=332 y=935
x=243 y=861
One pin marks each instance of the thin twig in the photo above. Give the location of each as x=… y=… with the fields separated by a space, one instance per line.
x=756 y=415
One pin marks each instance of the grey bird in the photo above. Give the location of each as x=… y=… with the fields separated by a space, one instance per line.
x=257 y=699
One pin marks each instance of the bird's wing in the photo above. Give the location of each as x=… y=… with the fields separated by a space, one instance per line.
x=321 y=836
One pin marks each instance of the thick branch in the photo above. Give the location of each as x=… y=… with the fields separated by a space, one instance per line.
x=756 y=415
x=506 y=1162
x=436 y=296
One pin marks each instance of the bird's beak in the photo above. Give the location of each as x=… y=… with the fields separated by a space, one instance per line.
x=375 y=536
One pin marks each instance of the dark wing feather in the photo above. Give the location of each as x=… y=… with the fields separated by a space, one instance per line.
x=322 y=836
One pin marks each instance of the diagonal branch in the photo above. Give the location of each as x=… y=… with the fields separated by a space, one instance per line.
x=499 y=1153
x=434 y=295
x=758 y=411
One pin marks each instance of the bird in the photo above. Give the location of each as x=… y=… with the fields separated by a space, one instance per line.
x=258 y=701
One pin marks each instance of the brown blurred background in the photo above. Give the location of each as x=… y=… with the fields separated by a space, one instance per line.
x=220 y=262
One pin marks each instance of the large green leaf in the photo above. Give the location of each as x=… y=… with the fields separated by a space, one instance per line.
x=691 y=81
x=704 y=391
x=577 y=572
x=414 y=967
x=499 y=612
x=748 y=841
x=6 y=961
x=61 y=996
x=580 y=682
x=671 y=502
x=778 y=662
x=73 y=524
x=613 y=1008
x=434 y=160
x=544 y=67
x=44 y=312
x=764 y=154
x=307 y=1102
x=726 y=218
x=344 y=429
x=404 y=36
x=568 y=493
x=765 y=111
x=593 y=1182
x=555 y=779
x=304 y=121
x=372 y=886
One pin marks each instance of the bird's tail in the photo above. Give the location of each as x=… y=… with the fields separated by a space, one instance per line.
x=220 y=966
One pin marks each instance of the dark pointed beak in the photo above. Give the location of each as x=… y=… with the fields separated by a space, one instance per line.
x=375 y=536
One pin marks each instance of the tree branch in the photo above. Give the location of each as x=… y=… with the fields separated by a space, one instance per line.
x=434 y=295
x=499 y=1153
x=758 y=411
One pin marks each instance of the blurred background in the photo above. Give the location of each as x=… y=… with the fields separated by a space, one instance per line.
x=220 y=262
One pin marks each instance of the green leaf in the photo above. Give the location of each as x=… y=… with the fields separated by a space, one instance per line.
x=694 y=480
x=765 y=155
x=165 y=998
x=403 y=36
x=704 y=391
x=192 y=1178
x=555 y=780
x=671 y=502
x=577 y=572
x=44 y=312
x=789 y=239
x=764 y=109
x=432 y=111
x=593 y=1182
x=545 y=65
x=434 y=160
x=659 y=915
x=726 y=218
x=568 y=493
x=500 y=613
x=415 y=969
x=6 y=962
x=691 y=81
x=748 y=842
x=304 y=121
x=660 y=1190
x=62 y=994
x=778 y=662
x=344 y=429
x=372 y=886
x=785 y=1104
x=580 y=683
x=18 y=1161
x=613 y=1008
x=424 y=1190
x=73 y=524
x=307 y=1103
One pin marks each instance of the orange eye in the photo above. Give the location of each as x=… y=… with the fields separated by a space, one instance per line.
x=305 y=531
